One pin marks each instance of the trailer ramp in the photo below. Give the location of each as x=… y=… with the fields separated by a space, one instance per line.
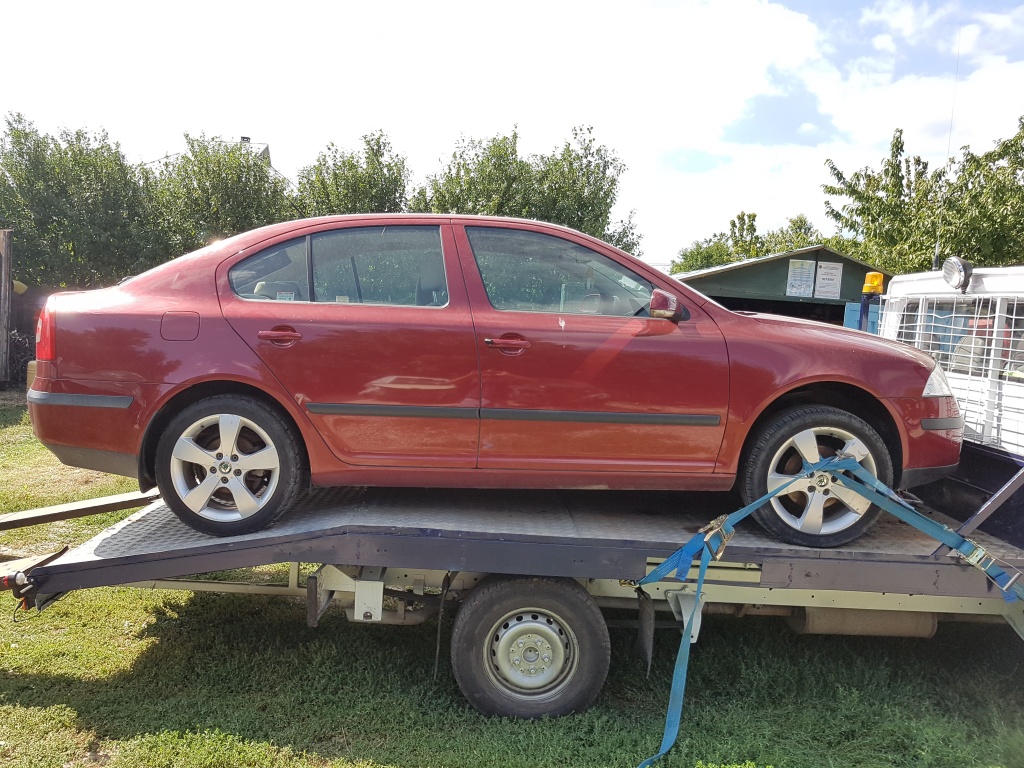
x=600 y=536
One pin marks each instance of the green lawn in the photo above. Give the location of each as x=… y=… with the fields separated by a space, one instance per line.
x=122 y=677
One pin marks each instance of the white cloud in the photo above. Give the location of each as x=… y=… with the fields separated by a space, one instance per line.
x=653 y=78
x=884 y=43
x=966 y=39
x=908 y=20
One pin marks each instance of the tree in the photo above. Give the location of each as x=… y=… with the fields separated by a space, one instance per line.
x=892 y=213
x=983 y=208
x=743 y=242
x=710 y=252
x=743 y=238
x=80 y=212
x=576 y=185
x=903 y=214
x=214 y=190
x=483 y=178
x=373 y=181
x=798 y=233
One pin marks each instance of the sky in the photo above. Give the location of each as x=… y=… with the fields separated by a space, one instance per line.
x=714 y=107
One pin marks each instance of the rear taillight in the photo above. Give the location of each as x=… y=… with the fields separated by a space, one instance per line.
x=46 y=333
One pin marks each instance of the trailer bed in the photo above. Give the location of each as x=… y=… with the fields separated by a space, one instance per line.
x=590 y=535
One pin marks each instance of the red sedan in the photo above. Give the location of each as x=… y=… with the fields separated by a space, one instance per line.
x=458 y=351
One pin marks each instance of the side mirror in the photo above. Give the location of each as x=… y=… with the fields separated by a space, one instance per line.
x=667 y=306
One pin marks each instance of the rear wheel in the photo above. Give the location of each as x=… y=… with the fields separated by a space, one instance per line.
x=814 y=511
x=228 y=465
x=530 y=647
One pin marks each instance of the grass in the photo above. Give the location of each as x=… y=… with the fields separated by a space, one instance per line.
x=122 y=677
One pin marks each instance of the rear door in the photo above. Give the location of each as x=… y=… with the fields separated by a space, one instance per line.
x=574 y=373
x=368 y=327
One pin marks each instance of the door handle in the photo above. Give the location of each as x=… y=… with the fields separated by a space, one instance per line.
x=509 y=345
x=282 y=337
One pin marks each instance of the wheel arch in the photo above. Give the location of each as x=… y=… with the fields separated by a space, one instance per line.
x=847 y=397
x=193 y=394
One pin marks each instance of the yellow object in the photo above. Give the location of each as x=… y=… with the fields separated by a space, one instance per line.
x=19 y=287
x=873 y=282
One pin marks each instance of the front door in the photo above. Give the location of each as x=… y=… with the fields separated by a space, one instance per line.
x=574 y=373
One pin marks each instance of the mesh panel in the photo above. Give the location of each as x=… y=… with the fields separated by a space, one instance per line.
x=979 y=342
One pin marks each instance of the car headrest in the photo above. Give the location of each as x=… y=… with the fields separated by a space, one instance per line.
x=281 y=290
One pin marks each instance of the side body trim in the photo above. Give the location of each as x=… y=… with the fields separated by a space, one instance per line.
x=87 y=401
x=950 y=422
x=513 y=414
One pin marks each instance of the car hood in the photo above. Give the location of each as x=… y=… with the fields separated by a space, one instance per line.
x=850 y=339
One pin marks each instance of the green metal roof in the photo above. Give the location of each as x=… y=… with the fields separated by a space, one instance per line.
x=815 y=274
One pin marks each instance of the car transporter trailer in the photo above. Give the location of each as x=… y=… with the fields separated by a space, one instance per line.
x=530 y=572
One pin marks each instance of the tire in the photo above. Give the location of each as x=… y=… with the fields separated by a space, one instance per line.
x=818 y=513
x=530 y=647
x=235 y=491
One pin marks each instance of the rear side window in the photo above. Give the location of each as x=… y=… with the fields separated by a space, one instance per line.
x=400 y=265
x=279 y=273
x=532 y=272
x=397 y=265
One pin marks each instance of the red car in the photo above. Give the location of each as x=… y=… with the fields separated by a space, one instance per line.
x=459 y=351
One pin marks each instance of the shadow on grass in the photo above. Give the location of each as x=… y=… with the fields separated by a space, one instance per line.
x=249 y=667
x=11 y=415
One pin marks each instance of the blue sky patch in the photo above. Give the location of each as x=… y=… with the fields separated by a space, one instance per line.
x=790 y=117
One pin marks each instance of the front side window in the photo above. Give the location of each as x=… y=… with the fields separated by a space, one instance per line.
x=400 y=265
x=278 y=273
x=533 y=272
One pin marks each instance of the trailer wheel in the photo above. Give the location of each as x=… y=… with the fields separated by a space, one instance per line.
x=529 y=647
x=818 y=512
x=228 y=465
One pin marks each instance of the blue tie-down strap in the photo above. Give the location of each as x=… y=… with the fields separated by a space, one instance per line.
x=710 y=542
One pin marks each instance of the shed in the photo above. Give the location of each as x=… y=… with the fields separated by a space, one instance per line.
x=814 y=282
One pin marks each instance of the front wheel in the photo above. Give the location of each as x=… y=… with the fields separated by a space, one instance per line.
x=529 y=647
x=228 y=465
x=814 y=511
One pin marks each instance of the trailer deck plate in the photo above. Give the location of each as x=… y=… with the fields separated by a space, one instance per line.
x=596 y=534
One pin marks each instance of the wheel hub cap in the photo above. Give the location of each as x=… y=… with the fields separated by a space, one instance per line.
x=530 y=653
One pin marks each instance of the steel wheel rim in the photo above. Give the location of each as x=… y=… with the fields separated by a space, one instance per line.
x=225 y=468
x=818 y=506
x=531 y=654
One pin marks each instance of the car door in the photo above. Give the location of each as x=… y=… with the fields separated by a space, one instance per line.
x=574 y=373
x=368 y=327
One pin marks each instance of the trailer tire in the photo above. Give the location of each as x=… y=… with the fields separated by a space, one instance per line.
x=226 y=490
x=816 y=513
x=530 y=647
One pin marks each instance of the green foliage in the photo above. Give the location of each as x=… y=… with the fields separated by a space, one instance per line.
x=743 y=242
x=484 y=178
x=214 y=190
x=83 y=216
x=79 y=210
x=983 y=215
x=576 y=185
x=373 y=181
x=743 y=237
x=710 y=252
x=891 y=212
x=973 y=207
x=798 y=233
